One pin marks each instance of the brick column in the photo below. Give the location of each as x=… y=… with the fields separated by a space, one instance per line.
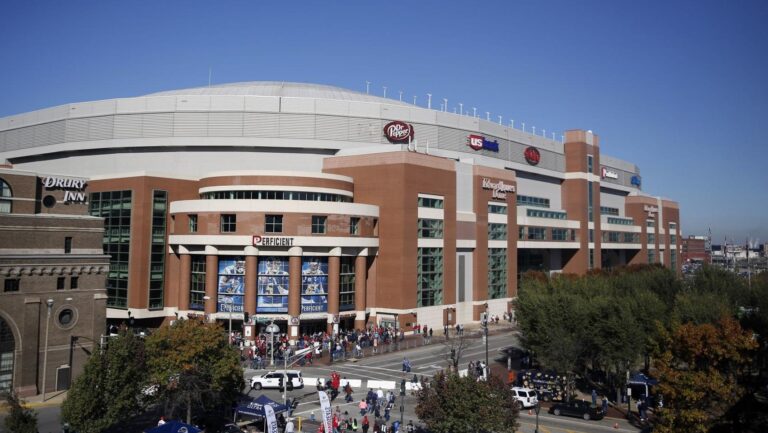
x=361 y=263
x=294 y=294
x=251 y=272
x=185 y=271
x=211 y=282
x=334 y=266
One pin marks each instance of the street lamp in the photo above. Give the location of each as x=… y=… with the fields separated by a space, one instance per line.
x=272 y=328
x=49 y=302
x=231 y=302
x=485 y=331
x=537 y=408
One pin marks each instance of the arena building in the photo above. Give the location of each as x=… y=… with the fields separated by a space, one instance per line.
x=319 y=207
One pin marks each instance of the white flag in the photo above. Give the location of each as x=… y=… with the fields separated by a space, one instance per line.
x=325 y=409
x=271 y=420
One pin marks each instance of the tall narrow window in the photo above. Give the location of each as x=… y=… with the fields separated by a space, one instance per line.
x=115 y=208
x=347 y=284
x=11 y=285
x=318 y=224
x=157 y=250
x=430 y=228
x=354 y=226
x=67 y=245
x=5 y=197
x=497 y=232
x=193 y=223
x=228 y=223
x=197 y=283
x=60 y=283
x=73 y=282
x=430 y=277
x=497 y=273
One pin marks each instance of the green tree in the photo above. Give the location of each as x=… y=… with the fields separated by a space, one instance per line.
x=698 y=367
x=194 y=366
x=448 y=404
x=110 y=388
x=20 y=419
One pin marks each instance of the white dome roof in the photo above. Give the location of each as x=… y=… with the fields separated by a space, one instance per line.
x=280 y=88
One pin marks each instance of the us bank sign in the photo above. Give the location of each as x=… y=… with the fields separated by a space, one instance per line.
x=498 y=189
x=74 y=189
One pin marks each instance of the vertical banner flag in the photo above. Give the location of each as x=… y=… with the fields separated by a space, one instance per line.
x=271 y=420
x=325 y=409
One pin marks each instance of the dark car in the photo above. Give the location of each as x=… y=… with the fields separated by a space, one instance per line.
x=577 y=408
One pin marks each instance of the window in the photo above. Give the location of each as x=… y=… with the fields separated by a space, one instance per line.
x=673 y=239
x=651 y=238
x=67 y=245
x=275 y=195
x=591 y=259
x=673 y=259
x=651 y=256
x=193 y=223
x=60 y=283
x=11 y=285
x=497 y=209
x=73 y=283
x=497 y=232
x=536 y=234
x=621 y=221
x=609 y=211
x=526 y=200
x=536 y=213
x=274 y=224
x=347 y=284
x=430 y=277
x=228 y=223
x=354 y=226
x=497 y=273
x=5 y=197
x=318 y=224
x=632 y=238
x=434 y=203
x=590 y=164
x=591 y=235
x=673 y=226
x=430 y=229
x=157 y=250
x=590 y=209
x=197 y=284
x=560 y=234
x=66 y=317
x=650 y=224
x=115 y=208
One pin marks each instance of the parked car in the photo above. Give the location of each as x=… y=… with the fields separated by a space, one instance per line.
x=525 y=397
x=274 y=379
x=577 y=408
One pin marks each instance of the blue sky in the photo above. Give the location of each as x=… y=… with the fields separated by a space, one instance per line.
x=679 y=88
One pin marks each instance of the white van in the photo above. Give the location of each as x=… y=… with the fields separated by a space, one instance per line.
x=525 y=397
x=274 y=379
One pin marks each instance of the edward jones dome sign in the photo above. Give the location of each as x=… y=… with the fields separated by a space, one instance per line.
x=398 y=131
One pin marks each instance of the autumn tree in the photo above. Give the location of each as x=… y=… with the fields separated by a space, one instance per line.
x=698 y=367
x=448 y=403
x=110 y=388
x=194 y=367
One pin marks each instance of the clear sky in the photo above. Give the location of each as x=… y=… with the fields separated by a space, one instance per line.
x=679 y=88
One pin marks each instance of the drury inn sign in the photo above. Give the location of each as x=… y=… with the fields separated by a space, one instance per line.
x=73 y=188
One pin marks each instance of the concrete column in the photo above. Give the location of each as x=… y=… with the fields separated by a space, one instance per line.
x=185 y=271
x=361 y=264
x=211 y=282
x=251 y=272
x=334 y=267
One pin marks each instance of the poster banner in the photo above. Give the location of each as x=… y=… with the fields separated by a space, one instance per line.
x=325 y=410
x=314 y=285
x=231 y=284
x=271 y=420
x=272 y=285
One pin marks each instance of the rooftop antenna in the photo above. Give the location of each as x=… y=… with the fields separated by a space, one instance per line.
x=401 y=95
x=523 y=126
x=414 y=99
x=461 y=108
x=209 y=76
x=512 y=123
x=534 y=130
x=488 y=116
x=445 y=104
x=367 y=87
x=553 y=136
x=474 y=112
x=385 y=91
x=544 y=133
x=429 y=101
x=499 y=119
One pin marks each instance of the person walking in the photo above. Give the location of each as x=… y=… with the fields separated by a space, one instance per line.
x=348 y=392
x=365 y=423
x=410 y=428
x=363 y=406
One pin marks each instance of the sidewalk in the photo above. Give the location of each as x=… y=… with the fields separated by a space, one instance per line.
x=36 y=401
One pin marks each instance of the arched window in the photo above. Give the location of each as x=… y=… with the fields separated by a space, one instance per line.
x=5 y=197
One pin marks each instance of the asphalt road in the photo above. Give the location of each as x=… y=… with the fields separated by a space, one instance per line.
x=425 y=361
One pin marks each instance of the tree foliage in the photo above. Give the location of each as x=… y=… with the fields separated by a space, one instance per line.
x=698 y=368
x=110 y=387
x=20 y=419
x=448 y=404
x=194 y=366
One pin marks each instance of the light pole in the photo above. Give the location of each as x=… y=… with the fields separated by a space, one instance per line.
x=231 y=302
x=272 y=328
x=49 y=302
x=537 y=408
x=485 y=331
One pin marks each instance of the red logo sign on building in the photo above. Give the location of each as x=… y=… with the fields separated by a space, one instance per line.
x=476 y=142
x=532 y=156
x=398 y=131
